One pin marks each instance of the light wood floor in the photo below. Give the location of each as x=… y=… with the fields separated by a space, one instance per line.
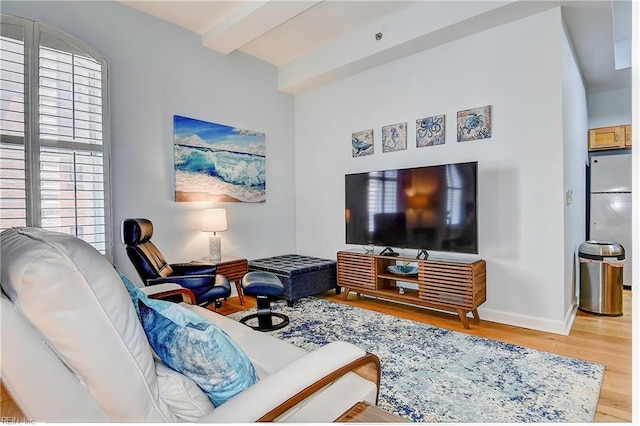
x=606 y=340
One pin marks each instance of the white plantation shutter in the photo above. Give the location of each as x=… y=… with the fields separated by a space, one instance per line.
x=70 y=96
x=13 y=209
x=55 y=169
x=72 y=194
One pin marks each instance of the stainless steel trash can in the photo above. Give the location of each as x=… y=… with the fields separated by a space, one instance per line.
x=601 y=267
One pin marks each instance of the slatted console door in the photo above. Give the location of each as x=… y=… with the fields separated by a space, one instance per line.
x=452 y=285
x=357 y=270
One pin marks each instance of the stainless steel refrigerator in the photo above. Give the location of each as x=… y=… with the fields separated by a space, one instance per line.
x=610 y=203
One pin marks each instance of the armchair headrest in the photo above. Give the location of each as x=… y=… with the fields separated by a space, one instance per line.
x=136 y=231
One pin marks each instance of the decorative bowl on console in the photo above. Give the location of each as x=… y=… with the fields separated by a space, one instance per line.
x=403 y=269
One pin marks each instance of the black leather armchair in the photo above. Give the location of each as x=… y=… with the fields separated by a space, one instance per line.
x=207 y=286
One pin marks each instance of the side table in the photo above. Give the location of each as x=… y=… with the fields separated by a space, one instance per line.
x=233 y=268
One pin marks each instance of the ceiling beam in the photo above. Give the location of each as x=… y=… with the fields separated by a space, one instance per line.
x=621 y=10
x=415 y=29
x=250 y=21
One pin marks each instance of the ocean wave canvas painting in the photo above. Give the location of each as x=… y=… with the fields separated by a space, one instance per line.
x=214 y=162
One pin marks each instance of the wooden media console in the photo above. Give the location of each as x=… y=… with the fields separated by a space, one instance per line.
x=453 y=285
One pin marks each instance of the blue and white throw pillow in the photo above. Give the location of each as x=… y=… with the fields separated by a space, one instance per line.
x=193 y=346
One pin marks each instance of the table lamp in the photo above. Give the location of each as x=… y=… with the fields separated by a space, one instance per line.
x=214 y=220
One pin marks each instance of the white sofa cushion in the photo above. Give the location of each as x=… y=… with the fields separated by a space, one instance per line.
x=40 y=383
x=72 y=295
x=185 y=398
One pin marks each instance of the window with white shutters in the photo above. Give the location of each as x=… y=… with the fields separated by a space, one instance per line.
x=13 y=209
x=54 y=145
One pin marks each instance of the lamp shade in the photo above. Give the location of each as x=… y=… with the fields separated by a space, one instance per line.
x=214 y=220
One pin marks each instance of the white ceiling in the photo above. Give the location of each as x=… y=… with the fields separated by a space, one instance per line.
x=314 y=42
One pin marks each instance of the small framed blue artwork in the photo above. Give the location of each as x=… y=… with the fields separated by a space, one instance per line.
x=394 y=137
x=362 y=143
x=430 y=131
x=474 y=124
x=215 y=162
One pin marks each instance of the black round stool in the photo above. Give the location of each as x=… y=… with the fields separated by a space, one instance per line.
x=262 y=285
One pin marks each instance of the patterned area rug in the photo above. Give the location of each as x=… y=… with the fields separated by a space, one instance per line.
x=433 y=374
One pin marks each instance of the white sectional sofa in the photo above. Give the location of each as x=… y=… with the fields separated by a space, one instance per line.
x=73 y=350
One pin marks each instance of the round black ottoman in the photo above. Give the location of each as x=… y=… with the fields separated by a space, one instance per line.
x=263 y=285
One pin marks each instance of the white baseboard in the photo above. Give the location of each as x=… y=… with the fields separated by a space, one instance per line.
x=534 y=323
x=517 y=320
x=570 y=317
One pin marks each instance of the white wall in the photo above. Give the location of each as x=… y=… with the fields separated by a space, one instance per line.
x=157 y=70
x=575 y=159
x=516 y=68
x=610 y=108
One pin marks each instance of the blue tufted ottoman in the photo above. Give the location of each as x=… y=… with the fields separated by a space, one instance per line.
x=301 y=275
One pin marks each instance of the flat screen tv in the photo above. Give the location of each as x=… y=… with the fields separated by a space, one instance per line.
x=430 y=208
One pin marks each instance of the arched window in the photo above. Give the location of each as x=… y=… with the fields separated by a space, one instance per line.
x=54 y=133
